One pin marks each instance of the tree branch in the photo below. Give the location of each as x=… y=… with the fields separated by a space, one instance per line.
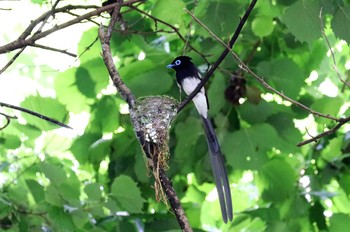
x=175 y=29
x=54 y=50
x=340 y=121
x=12 y=60
x=8 y=120
x=332 y=53
x=23 y=41
x=54 y=121
x=151 y=118
x=222 y=56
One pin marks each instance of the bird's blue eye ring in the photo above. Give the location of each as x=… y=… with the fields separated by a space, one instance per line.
x=177 y=62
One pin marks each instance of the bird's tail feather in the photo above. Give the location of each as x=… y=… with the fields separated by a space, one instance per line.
x=219 y=171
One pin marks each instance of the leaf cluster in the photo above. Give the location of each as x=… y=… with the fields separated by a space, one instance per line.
x=94 y=178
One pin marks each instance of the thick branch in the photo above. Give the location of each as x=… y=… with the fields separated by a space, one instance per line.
x=174 y=201
x=113 y=72
x=221 y=58
x=148 y=147
x=24 y=41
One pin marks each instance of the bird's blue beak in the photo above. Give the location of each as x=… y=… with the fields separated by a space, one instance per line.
x=170 y=65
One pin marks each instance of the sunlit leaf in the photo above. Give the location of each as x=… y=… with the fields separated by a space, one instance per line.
x=48 y=107
x=36 y=190
x=126 y=193
x=284 y=75
x=246 y=148
x=262 y=26
x=302 y=20
x=339 y=222
x=104 y=116
x=280 y=180
x=216 y=91
x=341 y=23
x=93 y=191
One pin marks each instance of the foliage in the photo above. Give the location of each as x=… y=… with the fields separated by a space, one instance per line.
x=58 y=180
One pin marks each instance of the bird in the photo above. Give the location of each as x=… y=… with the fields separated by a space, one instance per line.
x=188 y=77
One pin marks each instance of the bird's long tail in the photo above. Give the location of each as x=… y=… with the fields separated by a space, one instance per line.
x=219 y=171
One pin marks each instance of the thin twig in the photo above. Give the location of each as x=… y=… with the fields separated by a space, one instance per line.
x=48 y=16
x=12 y=60
x=261 y=80
x=332 y=53
x=175 y=29
x=54 y=49
x=341 y=122
x=130 y=99
x=54 y=121
x=221 y=58
x=8 y=120
x=24 y=41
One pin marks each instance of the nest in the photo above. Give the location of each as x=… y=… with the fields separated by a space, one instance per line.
x=154 y=115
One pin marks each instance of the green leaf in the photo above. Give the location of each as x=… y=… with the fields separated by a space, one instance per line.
x=67 y=90
x=126 y=193
x=98 y=74
x=339 y=222
x=345 y=183
x=84 y=82
x=255 y=114
x=246 y=148
x=280 y=180
x=54 y=143
x=5 y=208
x=216 y=91
x=38 y=1
x=52 y=196
x=302 y=20
x=99 y=150
x=157 y=82
x=187 y=134
x=12 y=142
x=18 y=194
x=169 y=11
x=341 y=23
x=36 y=190
x=86 y=48
x=139 y=74
x=219 y=16
x=333 y=150
x=284 y=125
x=283 y=74
x=262 y=26
x=70 y=191
x=327 y=105
x=93 y=191
x=80 y=147
x=63 y=221
x=105 y=115
x=48 y=107
x=55 y=174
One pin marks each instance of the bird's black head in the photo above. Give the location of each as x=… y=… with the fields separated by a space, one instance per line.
x=180 y=63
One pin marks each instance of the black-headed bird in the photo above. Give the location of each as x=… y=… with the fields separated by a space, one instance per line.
x=188 y=78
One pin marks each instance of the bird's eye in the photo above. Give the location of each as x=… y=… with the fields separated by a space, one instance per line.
x=178 y=62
